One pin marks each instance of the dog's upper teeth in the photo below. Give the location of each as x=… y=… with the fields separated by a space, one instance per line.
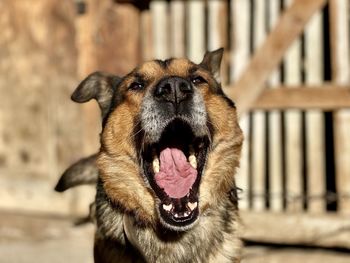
x=156 y=165
x=192 y=206
x=167 y=207
x=193 y=161
x=192 y=158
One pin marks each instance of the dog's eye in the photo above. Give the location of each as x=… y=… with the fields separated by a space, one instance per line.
x=198 y=80
x=136 y=86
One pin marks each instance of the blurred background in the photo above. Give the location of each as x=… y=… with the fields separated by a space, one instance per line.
x=286 y=64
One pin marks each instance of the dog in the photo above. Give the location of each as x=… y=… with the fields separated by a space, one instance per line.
x=165 y=172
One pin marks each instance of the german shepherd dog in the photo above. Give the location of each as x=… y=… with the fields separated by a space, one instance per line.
x=170 y=147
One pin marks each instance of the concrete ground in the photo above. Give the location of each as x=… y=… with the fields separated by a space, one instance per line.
x=28 y=239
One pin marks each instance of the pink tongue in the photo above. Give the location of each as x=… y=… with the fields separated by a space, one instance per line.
x=176 y=175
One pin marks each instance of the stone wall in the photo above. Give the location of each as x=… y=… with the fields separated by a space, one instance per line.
x=40 y=132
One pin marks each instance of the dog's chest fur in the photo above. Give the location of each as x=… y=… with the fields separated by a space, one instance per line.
x=213 y=239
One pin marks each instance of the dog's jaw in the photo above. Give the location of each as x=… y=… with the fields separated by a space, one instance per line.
x=186 y=133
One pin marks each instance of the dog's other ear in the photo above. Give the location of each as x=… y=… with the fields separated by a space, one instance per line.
x=212 y=62
x=99 y=86
x=82 y=172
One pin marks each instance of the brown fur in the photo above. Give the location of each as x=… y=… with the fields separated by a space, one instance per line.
x=128 y=227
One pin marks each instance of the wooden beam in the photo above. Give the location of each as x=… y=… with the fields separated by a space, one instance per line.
x=318 y=97
x=325 y=230
x=269 y=55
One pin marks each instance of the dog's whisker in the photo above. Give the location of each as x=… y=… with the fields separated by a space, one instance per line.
x=136 y=133
x=214 y=125
x=137 y=124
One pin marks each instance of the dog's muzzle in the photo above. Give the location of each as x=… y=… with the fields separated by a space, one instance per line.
x=175 y=142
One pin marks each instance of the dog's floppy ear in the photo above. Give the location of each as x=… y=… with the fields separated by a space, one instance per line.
x=212 y=62
x=99 y=86
x=82 y=172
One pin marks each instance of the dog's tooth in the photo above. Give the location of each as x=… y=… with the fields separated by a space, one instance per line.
x=156 y=166
x=176 y=215
x=192 y=206
x=192 y=157
x=193 y=161
x=186 y=214
x=167 y=207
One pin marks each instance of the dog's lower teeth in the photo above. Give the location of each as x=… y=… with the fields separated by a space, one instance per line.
x=193 y=161
x=186 y=214
x=192 y=206
x=167 y=207
x=156 y=165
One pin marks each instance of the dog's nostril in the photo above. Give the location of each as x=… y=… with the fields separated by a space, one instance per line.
x=174 y=89
x=164 y=89
x=185 y=87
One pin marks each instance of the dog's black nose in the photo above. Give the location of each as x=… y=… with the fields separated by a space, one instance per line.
x=174 y=89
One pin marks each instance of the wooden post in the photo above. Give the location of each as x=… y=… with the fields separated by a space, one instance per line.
x=275 y=128
x=217 y=33
x=177 y=28
x=293 y=118
x=315 y=148
x=196 y=30
x=258 y=120
x=159 y=11
x=146 y=35
x=240 y=55
x=339 y=15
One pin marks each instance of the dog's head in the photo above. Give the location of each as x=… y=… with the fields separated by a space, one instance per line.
x=170 y=143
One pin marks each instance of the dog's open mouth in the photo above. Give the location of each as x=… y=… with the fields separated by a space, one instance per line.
x=173 y=167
